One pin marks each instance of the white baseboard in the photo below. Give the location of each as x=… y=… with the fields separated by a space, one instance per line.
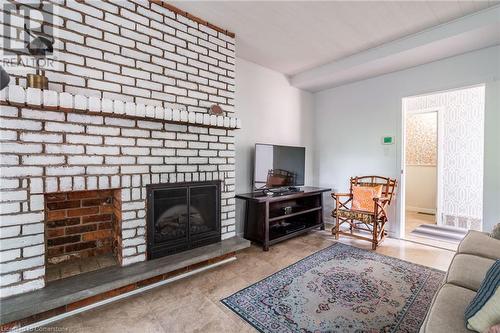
x=421 y=210
x=392 y=234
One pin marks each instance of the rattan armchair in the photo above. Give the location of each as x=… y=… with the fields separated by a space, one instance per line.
x=279 y=177
x=365 y=221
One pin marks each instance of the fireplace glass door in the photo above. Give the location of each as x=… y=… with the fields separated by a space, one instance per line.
x=171 y=215
x=182 y=216
x=203 y=210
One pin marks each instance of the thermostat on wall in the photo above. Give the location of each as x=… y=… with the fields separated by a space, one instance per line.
x=387 y=140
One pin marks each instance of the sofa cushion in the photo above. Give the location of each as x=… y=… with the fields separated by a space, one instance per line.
x=480 y=244
x=446 y=314
x=468 y=271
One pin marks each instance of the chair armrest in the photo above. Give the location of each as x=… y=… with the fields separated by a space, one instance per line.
x=341 y=195
x=382 y=199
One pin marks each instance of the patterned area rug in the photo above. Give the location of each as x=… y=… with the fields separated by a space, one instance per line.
x=340 y=289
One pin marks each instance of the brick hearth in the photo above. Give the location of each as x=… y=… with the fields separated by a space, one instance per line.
x=77 y=291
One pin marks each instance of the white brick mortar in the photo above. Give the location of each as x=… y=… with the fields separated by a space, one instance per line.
x=101 y=42
x=116 y=130
x=110 y=152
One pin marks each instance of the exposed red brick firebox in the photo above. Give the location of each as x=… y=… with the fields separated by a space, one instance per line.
x=82 y=231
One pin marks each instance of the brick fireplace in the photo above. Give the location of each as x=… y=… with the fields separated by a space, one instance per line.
x=113 y=120
x=56 y=155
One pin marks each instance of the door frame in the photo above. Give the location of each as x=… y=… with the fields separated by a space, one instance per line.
x=439 y=163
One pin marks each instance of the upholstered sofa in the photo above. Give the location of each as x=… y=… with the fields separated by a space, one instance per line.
x=475 y=255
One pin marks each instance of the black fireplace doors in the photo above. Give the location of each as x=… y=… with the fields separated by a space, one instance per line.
x=182 y=216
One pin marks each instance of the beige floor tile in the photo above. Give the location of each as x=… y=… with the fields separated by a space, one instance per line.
x=131 y=307
x=414 y=220
x=146 y=324
x=193 y=304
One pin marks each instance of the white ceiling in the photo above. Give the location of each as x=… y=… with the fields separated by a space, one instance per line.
x=294 y=36
x=472 y=32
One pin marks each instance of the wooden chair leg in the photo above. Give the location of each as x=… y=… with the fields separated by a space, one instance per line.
x=380 y=235
x=337 y=219
x=375 y=237
x=337 y=227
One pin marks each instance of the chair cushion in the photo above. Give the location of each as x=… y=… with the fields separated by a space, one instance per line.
x=365 y=217
x=480 y=244
x=468 y=271
x=447 y=310
x=362 y=197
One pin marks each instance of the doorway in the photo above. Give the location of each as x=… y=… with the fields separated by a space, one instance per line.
x=442 y=173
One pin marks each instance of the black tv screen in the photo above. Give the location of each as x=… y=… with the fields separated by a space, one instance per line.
x=278 y=166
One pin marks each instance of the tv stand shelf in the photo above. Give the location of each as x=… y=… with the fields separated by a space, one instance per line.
x=280 y=217
x=275 y=218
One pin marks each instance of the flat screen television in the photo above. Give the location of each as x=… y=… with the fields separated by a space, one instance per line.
x=278 y=166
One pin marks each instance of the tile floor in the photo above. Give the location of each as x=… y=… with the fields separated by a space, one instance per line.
x=414 y=220
x=192 y=304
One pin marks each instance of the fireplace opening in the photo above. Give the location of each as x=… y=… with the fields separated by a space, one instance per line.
x=182 y=216
x=82 y=232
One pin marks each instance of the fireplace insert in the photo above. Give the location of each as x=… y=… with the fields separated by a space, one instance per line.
x=182 y=216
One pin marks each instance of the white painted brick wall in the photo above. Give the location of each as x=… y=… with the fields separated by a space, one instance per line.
x=181 y=64
x=101 y=42
x=167 y=157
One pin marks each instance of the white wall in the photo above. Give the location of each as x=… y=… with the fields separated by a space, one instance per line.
x=351 y=119
x=421 y=188
x=271 y=111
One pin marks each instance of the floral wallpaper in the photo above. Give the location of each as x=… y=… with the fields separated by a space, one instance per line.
x=421 y=139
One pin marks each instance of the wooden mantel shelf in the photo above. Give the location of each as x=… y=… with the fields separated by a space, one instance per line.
x=51 y=100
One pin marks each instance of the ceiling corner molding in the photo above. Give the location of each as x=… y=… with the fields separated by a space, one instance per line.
x=469 y=33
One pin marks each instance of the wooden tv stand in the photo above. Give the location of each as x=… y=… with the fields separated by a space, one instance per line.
x=267 y=223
